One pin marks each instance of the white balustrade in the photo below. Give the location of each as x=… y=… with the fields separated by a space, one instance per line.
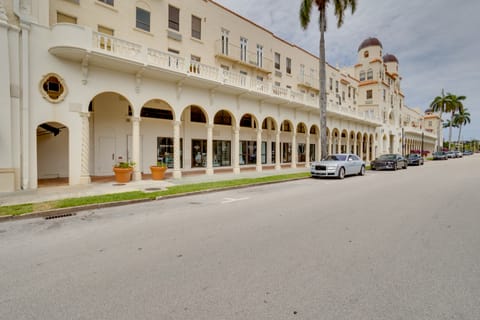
x=166 y=60
x=115 y=46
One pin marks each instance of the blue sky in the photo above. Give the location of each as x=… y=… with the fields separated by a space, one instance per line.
x=437 y=43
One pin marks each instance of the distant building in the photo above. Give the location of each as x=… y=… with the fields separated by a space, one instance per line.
x=88 y=83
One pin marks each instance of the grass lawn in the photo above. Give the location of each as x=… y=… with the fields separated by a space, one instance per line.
x=15 y=210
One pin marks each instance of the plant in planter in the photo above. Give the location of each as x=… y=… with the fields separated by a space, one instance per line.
x=158 y=171
x=123 y=171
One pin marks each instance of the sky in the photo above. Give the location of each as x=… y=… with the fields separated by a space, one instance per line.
x=437 y=43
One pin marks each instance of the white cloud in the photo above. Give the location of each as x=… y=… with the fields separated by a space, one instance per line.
x=435 y=41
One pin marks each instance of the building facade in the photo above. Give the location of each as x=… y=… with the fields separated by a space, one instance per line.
x=190 y=83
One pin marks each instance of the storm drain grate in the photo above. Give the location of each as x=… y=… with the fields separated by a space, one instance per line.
x=64 y=215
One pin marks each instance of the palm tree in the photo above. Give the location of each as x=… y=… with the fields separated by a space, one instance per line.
x=461 y=118
x=305 y=10
x=441 y=104
x=447 y=124
x=456 y=106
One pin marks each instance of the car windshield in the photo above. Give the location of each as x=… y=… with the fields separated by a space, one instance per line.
x=412 y=155
x=336 y=157
x=387 y=157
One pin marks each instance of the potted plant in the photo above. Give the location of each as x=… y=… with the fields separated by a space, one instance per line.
x=123 y=171
x=158 y=170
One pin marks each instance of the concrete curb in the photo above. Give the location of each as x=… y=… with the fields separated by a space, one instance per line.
x=72 y=210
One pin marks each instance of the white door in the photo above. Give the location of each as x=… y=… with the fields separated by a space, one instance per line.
x=106 y=156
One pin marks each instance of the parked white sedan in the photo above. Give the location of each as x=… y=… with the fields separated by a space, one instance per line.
x=338 y=165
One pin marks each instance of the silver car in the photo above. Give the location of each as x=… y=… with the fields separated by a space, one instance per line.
x=339 y=166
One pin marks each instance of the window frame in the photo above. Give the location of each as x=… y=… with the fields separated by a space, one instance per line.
x=173 y=12
x=196 y=34
x=142 y=25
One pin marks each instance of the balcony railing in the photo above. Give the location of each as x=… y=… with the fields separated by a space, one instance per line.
x=308 y=81
x=83 y=38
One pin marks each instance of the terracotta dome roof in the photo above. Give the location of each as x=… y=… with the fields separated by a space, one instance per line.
x=369 y=43
x=390 y=58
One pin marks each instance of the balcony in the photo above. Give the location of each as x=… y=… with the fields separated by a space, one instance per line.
x=80 y=44
x=233 y=53
x=309 y=82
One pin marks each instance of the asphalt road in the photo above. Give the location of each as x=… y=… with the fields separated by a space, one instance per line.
x=390 y=245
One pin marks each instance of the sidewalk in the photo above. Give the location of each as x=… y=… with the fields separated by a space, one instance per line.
x=98 y=188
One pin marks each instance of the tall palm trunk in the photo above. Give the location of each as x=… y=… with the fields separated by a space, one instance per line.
x=450 y=130
x=459 y=133
x=322 y=88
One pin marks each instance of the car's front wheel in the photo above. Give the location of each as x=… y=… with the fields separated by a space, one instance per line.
x=341 y=173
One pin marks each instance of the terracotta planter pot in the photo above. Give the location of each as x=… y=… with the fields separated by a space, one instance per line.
x=158 y=172
x=123 y=175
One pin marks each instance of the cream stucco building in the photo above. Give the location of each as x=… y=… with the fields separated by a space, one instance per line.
x=89 y=83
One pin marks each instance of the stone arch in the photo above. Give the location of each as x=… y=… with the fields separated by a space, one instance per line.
x=52 y=153
x=344 y=138
x=156 y=135
x=335 y=145
x=109 y=122
x=224 y=117
x=248 y=120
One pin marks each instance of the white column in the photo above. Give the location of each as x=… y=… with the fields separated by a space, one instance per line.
x=137 y=175
x=259 y=150
x=361 y=147
x=177 y=173
x=294 y=150
x=236 y=150
x=25 y=113
x=277 y=151
x=307 y=150
x=209 y=149
x=85 y=164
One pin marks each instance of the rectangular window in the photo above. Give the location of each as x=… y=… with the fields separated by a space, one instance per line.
x=289 y=65
x=196 y=28
x=222 y=153
x=225 y=34
x=173 y=18
x=384 y=95
x=243 y=49
x=199 y=153
x=165 y=151
x=349 y=92
x=331 y=84
x=173 y=51
x=301 y=152
x=286 y=152
x=109 y=2
x=248 y=152
x=259 y=56
x=143 y=19
x=369 y=94
x=105 y=30
x=273 y=151
x=65 y=18
x=312 y=152
x=277 y=60
x=336 y=86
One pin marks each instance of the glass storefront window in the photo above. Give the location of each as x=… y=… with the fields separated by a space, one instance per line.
x=199 y=153
x=248 y=152
x=312 y=152
x=273 y=152
x=222 y=153
x=264 y=152
x=165 y=151
x=301 y=152
x=286 y=152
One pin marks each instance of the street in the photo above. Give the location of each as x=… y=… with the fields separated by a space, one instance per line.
x=389 y=245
